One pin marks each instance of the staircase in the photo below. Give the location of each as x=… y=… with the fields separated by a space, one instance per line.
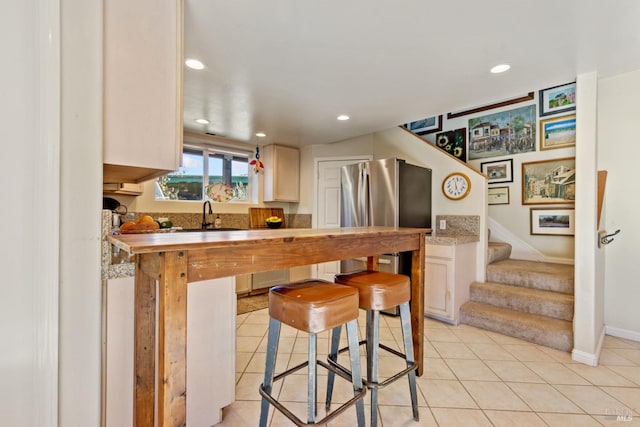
x=529 y=300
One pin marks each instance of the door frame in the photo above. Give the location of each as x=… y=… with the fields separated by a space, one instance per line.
x=316 y=177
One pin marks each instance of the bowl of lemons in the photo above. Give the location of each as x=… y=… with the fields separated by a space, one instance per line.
x=274 y=222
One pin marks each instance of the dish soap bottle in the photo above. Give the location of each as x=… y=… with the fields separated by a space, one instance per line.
x=218 y=222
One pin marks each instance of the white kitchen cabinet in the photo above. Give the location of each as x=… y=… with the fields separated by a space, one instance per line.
x=281 y=173
x=142 y=98
x=449 y=271
x=211 y=327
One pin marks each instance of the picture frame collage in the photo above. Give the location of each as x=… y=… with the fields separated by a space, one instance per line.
x=546 y=125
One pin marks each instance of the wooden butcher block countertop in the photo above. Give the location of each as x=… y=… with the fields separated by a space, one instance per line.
x=158 y=242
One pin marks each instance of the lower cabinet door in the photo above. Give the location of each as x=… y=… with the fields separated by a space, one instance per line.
x=438 y=286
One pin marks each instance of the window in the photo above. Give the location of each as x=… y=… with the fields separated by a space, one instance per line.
x=202 y=167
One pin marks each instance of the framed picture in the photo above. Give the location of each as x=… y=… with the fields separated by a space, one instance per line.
x=499 y=195
x=558 y=132
x=549 y=182
x=527 y=97
x=553 y=222
x=453 y=142
x=557 y=99
x=425 y=126
x=498 y=171
x=503 y=134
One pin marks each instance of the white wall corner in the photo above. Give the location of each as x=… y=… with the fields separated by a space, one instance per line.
x=590 y=359
x=589 y=301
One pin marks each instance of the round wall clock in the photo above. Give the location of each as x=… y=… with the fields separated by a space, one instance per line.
x=456 y=186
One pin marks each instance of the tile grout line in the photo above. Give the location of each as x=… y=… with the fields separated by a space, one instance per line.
x=555 y=360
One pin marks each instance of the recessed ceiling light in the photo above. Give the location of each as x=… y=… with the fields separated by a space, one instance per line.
x=500 y=68
x=194 y=64
x=261 y=134
x=343 y=117
x=202 y=121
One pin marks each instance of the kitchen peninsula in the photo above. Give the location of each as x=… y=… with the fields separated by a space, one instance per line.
x=175 y=259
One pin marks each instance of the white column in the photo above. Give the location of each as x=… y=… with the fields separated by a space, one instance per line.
x=80 y=213
x=588 y=321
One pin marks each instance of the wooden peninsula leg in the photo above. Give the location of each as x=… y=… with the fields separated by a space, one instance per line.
x=144 y=345
x=172 y=340
x=417 y=303
x=170 y=269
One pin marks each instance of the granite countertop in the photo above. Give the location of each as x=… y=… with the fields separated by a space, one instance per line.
x=439 y=239
x=457 y=230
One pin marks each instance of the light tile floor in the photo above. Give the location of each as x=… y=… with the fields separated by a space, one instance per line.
x=472 y=377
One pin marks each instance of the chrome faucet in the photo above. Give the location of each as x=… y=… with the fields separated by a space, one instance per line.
x=206 y=224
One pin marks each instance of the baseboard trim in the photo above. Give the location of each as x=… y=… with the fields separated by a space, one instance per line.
x=441 y=319
x=584 y=357
x=622 y=333
x=590 y=359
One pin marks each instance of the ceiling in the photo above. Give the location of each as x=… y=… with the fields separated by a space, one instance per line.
x=288 y=68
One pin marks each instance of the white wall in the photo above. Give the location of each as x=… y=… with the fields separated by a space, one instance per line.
x=80 y=213
x=50 y=359
x=618 y=153
x=515 y=216
x=28 y=307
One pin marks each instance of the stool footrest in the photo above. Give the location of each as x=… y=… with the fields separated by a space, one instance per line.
x=412 y=367
x=380 y=345
x=346 y=374
x=339 y=370
x=297 y=421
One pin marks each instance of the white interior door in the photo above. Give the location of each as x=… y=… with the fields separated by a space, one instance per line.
x=328 y=206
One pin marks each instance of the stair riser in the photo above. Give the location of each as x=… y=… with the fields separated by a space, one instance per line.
x=530 y=279
x=561 y=340
x=498 y=252
x=544 y=307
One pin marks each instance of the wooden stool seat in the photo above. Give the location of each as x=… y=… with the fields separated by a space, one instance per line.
x=313 y=306
x=378 y=290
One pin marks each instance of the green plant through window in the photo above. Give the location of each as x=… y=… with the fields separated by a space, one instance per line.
x=202 y=167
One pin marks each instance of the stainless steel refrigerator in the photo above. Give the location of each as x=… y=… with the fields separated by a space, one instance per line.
x=387 y=192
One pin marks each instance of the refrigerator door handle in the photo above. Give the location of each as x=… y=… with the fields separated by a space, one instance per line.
x=363 y=196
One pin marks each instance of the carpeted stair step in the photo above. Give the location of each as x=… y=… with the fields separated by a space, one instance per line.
x=497 y=251
x=533 y=301
x=541 y=330
x=545 y=276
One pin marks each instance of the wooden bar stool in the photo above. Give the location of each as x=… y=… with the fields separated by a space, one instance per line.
x=378 y=291
x=312 y=306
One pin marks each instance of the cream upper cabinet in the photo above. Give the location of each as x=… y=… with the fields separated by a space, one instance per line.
x=281 y=173
x=142 y=100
